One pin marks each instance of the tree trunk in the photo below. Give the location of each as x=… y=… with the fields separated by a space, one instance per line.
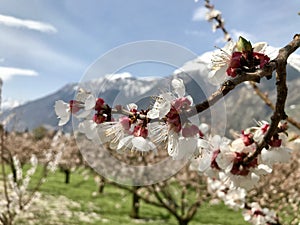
x=183 y=221
x=101 y=185
x=68 y=175
x=135 y=204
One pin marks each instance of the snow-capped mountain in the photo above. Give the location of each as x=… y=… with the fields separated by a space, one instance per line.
x=115 y=89
x=9 y=103
x=242 y=106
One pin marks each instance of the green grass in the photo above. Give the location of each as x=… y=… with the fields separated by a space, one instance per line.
x=113 y=206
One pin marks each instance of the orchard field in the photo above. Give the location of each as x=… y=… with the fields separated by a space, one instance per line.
x=75 y=194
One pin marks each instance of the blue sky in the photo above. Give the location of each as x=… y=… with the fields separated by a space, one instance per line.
x=45 y=44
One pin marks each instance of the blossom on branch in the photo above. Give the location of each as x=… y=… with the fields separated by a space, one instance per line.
x=80 y=107
x=232 y=161
x=181 y=135
x=236 y=58
x=256 y=215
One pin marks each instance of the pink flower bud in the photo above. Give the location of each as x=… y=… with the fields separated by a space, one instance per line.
x=98 y=118
x=99 y=104
x=125 y=122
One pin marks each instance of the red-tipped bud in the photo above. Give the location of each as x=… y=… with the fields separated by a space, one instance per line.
x=100 y=104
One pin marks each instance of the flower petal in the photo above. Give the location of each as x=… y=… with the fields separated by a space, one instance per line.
x=142 y=144
x=62 y=111
x=153 y=113
x=173 y=144
x=90 y=102
x=216 y=77
x=88 y=127
x=125 y=143
x=275 y=155
x=178 y=86
x=64 y=120
x=186 y=148
x=260 y=46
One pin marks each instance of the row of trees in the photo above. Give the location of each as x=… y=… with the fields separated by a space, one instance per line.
x=181 y=195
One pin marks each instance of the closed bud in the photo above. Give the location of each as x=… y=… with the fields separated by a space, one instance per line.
x=243 y=45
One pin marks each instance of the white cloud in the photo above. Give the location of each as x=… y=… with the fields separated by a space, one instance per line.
x=200 y=14
x=29 y=24
x=7 y=73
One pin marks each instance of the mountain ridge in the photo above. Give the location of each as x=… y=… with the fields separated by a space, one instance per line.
x=125 y=88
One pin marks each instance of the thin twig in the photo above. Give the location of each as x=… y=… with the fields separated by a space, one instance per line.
x=219 y=20
x=269 y=103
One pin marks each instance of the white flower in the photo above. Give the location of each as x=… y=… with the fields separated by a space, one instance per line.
x=220 y=62
x=112 y=133
x=204 y=160
x=247 y=182
x=235 y=198
x=132 y=106
x=181 y=147
x=62 y=111
x=222 y=57
x=158 y=132
x=211 y=14
x=259 y=216
x=87 y=106
x=89 y=128
x=178 y=87
x=89 y=102
x=161 y=106
x=275 y=155
x=260 y=131
x=163 y=102
x=215 y=143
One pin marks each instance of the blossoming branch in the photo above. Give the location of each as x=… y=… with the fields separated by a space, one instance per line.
x=168 y=122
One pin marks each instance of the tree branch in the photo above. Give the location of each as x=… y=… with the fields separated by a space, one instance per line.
x=279 y=113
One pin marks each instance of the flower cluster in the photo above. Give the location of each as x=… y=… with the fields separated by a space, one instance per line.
x=256 y=215
x=82 y=107
x=168 y=125
x=231 y=161
x=136 y=130
x=184 y=137
x=235 y=198
x=238 y=57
